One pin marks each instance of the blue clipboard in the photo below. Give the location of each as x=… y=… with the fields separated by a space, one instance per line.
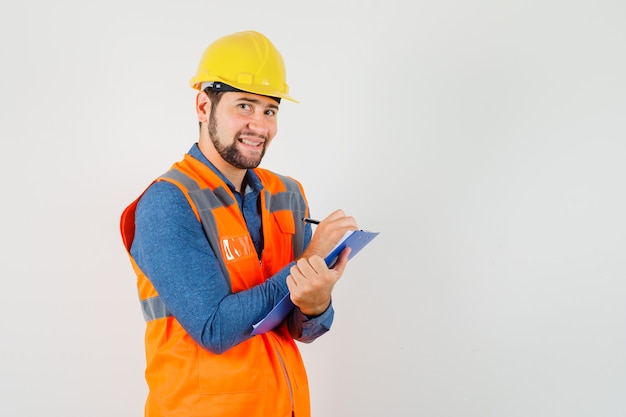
x=356 y=240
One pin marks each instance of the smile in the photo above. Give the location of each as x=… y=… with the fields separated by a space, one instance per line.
x=250 y=142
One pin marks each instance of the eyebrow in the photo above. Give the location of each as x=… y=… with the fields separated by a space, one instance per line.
x=258 y=102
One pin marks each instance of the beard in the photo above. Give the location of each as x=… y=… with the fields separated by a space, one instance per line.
x=230 y=153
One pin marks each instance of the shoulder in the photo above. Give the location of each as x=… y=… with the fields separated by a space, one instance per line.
x=161 y=198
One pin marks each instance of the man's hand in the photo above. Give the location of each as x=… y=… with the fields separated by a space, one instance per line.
x=328 y=233
x=311 y=282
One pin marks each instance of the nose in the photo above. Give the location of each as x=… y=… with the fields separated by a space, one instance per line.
x=258 y=123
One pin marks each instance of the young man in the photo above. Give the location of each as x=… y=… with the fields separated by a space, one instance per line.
x=216 y=242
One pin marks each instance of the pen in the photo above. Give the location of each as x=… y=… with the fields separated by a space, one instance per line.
x=312 y=221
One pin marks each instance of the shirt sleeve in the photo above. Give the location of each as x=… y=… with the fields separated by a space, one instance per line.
x=305 y=329
x=171 y=249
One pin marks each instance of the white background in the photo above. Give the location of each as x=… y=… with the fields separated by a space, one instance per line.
x=485 y=140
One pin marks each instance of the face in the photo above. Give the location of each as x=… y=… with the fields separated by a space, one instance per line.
x=241 y=127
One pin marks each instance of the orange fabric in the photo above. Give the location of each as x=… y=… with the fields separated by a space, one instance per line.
x=263 y=376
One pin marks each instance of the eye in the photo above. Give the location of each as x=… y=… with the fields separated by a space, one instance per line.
x=244 y=106
x=270 y=112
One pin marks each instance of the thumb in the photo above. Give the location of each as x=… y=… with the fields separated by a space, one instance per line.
x=342 y=261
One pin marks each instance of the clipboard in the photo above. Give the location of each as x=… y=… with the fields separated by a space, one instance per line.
x=355 y=239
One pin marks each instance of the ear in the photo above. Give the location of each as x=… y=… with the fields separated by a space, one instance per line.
x=203 y=106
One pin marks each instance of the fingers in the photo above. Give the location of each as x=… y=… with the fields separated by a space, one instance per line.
x=310 y=284
x=311 y=272
x=338 y=220
x=328 y=233
x=335 y=215
x=342 y=261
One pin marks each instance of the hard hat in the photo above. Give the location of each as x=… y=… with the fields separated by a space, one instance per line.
x=246 y=61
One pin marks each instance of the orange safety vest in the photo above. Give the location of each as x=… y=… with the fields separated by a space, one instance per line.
x=262 y=376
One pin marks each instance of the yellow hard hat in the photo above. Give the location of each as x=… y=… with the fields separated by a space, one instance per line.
x=246 y=61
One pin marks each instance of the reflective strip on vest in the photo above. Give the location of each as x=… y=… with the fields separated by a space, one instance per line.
x=206 y=201
x=153 y=308
x=293 y=201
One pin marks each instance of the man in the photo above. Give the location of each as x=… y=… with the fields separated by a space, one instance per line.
x=216 y=242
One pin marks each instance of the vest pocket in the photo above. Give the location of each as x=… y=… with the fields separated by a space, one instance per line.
x=284 y=219
x=243 y=368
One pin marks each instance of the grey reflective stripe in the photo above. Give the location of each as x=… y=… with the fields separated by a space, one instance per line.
x=153 y=308
x=175 y=174
x=205 y=201
x=291 y=200
x=224 y=196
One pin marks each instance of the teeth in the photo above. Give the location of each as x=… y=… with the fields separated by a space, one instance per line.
x=248 y=142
